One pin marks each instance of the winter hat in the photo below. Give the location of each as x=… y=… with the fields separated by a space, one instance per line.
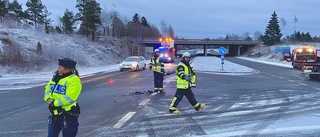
x=67 y=62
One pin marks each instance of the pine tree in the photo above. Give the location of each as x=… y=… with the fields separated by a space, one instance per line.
x=144 y=21
x=46 y=20
x=35 y=11
x=3 y=8
x=89 y=15
x=272 y=34
x=135 y=18
x=308 y=37
x=15 y=9
x=67 y=21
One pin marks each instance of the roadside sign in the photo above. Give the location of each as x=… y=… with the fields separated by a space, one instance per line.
x=222 y=59
x=282 y=50
x=222 y=50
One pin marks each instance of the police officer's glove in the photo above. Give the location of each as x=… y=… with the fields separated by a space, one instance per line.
x=186 y=77
x=51 y=107
x=150 y=67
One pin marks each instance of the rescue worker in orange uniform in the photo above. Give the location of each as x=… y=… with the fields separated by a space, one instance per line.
x=157 y=66
x=186 y=79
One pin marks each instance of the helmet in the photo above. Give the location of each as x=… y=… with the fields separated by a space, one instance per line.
x=156 y=50
x=186 y=54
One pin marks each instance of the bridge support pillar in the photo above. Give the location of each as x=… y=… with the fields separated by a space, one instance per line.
x=205 y=49
x=239 y=51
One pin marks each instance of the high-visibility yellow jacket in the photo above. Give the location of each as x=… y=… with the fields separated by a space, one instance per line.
x=182 y=70
x=64 y=93
x=157 y=65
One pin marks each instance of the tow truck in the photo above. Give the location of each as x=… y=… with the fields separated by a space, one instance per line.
x=306 y=58
x=167 y=50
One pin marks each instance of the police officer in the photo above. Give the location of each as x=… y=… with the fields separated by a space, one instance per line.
x=61 y=94
x=157 y=66
x=186 y=79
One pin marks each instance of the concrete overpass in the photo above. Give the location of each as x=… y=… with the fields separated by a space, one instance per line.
x=235 y=47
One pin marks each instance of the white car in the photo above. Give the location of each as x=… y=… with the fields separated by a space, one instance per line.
x=133 y=63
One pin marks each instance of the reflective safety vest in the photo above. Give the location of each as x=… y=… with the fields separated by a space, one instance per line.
x=157 y=66
x=181 y=83
x=64 y=93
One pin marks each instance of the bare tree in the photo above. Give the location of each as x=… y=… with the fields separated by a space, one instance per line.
x=164 y=28
x=257 y=35
x=284 y=24
x=246 y=35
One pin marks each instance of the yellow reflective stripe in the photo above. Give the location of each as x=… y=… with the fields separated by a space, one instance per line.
x=172 y=102
x=194 y=77
x=197 y=105
x=60 y=102
x=70 y=101
x=72 y=75
x=46 y=93
x=180 y=74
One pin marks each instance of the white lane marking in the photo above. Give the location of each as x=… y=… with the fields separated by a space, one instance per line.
x=4 y=92
x=281 y=77
x=123 y=120
x=291 y=80
x=303 y=84
x=317 y=88
x=154 y=93
x=22 y=131
x=15 y=111
x=144 y=102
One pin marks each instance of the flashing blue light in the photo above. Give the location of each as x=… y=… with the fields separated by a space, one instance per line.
x=161 y=47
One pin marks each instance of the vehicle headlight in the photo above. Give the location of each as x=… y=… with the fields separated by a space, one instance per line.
x=134 y=64
x=121 y=64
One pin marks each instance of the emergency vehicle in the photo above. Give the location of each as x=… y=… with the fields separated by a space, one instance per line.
x=166 y=49
x=298 y=55
x=308 y=59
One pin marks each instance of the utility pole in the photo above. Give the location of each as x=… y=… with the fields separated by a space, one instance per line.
x=295 y=19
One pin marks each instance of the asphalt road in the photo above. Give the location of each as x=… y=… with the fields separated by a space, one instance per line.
x=119 y=104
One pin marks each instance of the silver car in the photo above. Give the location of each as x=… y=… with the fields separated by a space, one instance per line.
x=133 y=63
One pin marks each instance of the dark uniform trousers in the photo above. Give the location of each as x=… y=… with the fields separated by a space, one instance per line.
x=158 y=80
x=68 y=124
x=190 y=96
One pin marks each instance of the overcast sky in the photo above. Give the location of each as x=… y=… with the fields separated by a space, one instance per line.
x=209 y=18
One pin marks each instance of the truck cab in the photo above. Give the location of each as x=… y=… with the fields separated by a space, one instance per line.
x=167 y=54
x=300 y=55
